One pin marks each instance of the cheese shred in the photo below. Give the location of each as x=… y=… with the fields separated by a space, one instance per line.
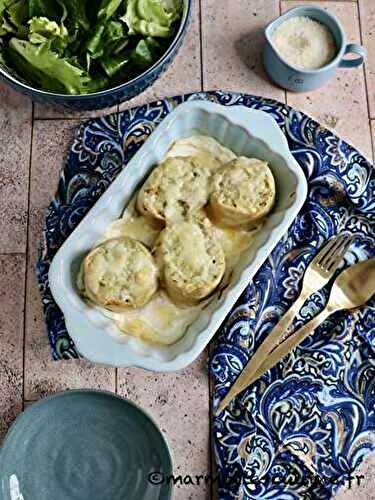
x=304 y=43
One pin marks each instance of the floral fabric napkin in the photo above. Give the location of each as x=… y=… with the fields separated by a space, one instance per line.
x=300 y=431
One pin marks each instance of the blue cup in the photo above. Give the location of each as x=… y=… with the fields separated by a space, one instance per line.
x=303 y=80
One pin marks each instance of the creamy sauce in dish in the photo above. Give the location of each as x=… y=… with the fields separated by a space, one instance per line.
x=162 y=321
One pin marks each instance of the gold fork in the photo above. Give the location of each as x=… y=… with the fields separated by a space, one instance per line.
x=354 y=287
x=317 y=275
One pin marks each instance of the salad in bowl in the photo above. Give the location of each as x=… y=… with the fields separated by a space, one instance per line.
x=78 y=47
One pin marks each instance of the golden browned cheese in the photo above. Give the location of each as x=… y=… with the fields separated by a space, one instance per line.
x=175 y=188
x=192 y=262
x=120 y=274
x=243 y=191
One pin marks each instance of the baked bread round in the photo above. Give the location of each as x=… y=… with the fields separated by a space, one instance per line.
x=192 y=262
x=119 y=274
x=242 y=191
x=174 y=189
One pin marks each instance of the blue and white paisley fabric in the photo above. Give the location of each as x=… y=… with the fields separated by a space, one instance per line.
x=300 y=430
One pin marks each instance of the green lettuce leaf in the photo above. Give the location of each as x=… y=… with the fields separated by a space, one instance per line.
x=73 y=79
x=13 y=13
x=5 y=26
x=115 y=36
x=46 y=8
x=107 y=39
x=76 y=12
x=146 y=52
x=108 y=8
x=95 y=84
x=152 y=17
x=113 y=64
x=95 y=43
x=142 y=55
x=88 y=62
x=30 y=73
x=115 y=30
x=18 y=12
x=42 y=30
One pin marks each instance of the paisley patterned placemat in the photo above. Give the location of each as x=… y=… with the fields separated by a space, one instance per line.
x=302 y=428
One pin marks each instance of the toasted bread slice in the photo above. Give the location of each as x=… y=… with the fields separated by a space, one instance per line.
x=120 y=274
x=243 y=191
x=192 y=263
x=174 y=189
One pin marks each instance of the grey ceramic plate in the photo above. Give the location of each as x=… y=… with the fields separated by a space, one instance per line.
x=84 y=445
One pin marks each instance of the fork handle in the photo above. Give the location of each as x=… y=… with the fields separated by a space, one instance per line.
x=289 y=344
x=270 y=342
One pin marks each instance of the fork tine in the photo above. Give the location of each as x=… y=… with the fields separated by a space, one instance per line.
x=335 y=258
x=327 y=249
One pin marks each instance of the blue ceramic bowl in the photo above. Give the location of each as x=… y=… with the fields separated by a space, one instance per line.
x=108 y=97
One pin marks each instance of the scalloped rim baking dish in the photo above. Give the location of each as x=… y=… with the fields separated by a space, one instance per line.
x=247 y=132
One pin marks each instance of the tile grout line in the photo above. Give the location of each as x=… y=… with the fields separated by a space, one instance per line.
x=58 y=118
x=27 y=258
x=201 y=42
x=366 y=83
x=280 y=13
x=66 y=118
x=12 y=254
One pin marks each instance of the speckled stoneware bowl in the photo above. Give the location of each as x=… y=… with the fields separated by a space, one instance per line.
x=85 y=445
x=109 y=97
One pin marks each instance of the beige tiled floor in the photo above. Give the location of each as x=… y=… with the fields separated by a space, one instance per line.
x=222 y=50
x=232 y=44
x=16 y=114
x=178 y=403
x=12 y=293
x=50 y=145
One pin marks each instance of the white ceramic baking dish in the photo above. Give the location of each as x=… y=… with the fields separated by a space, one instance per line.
x=245 y=131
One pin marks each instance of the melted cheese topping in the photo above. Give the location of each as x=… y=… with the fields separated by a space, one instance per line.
x=191 y=261
x=201 y=144
x=234 y=243
x=161 y=321
x=193 y=250
x=135 y=225
x=158 y=322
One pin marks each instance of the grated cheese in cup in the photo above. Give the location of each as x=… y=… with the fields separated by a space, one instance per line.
x=304 y=42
